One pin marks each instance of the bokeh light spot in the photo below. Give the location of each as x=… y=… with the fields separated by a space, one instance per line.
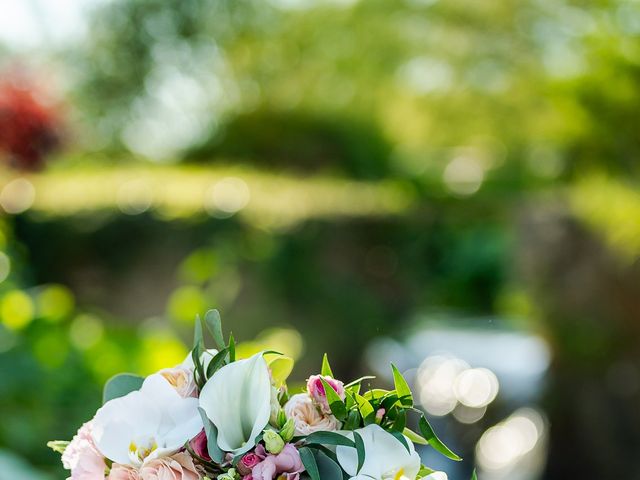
x=16 y=309
x=17 y=196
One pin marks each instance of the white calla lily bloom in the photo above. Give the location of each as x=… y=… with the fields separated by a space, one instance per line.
x=385 y=457
x=237 y=400
x=152 y=422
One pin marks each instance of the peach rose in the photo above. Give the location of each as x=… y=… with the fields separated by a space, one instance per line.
x=177 y=467
x=182 y=380
x=123 y=472
x=82 y=457
x=306 y=416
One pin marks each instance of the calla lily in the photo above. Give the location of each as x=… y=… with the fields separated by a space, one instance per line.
x=385 y=457
x=237 y=400
x=152 y=422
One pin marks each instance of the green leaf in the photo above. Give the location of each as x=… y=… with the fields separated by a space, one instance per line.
x=338 y=408
x=58 y=446
x=353 y=420
x=366 y=409
x=329 y=438
x=309 y=462
x=414 y=437
x=216 y=454
x=375 y=394
x=434 y=441
x=353 y=389
x=232 y=348
x=120 y=385
x=326 y=368
x=216 y=362
x=424 y=471
x=196 y=352
x=349 y=399
x=401 y=439
x=402 y=388
x=360 y=449
x=474 y=476
x=400 y=422
x=358 y=381
x=328 y=468
x=214 y=324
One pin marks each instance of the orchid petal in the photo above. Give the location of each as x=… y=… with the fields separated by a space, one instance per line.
x=384 y=455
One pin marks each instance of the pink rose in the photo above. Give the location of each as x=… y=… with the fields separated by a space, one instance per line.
x=200 y=446
x=317 y=393
x=177 y=467
x=123 y=472
x=82 y=457
x=247 y=462
x=286 y=462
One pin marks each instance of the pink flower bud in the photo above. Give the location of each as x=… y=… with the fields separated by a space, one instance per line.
x=200 y=446
x=315 y=387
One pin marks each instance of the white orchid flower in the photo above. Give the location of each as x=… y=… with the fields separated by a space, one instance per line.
x=237 y=400
x=152 y=422
x=385 y=457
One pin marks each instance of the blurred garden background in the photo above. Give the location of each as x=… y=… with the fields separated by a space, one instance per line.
x=451 y=185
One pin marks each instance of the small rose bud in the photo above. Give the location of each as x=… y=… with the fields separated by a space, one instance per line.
x=379 y=414
x=288 y=430
x=273 y=441
x=247 y=462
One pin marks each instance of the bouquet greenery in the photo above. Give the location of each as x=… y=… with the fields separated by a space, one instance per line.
x=219 y=416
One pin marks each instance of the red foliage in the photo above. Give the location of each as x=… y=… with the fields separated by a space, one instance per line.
x=29 y=129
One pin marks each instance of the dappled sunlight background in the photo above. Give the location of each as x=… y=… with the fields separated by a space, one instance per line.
x=451 y=186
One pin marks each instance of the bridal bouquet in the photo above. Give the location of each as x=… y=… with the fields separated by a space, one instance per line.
x=216 y=416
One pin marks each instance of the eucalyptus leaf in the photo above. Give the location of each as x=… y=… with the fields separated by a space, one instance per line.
x=214 y=324
x=309 y=462
x=328 y=468
x=329 y=438
x=120 y=385
x=401 y=439
x=434 y=441
x=357 y=438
